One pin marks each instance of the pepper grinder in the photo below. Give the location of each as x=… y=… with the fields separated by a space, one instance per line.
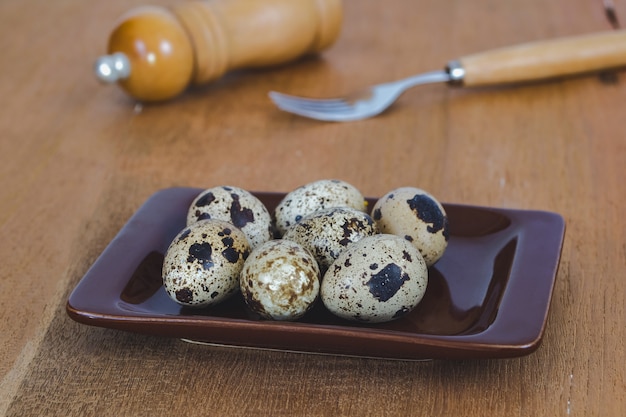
x=155 y=53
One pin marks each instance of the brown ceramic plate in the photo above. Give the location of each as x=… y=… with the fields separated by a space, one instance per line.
x=488 y=297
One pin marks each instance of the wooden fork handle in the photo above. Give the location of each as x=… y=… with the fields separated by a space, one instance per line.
x=545 y=59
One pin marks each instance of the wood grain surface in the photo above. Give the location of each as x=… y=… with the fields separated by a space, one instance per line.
x=78 y=158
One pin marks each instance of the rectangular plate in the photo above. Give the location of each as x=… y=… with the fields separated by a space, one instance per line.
x=487 y=297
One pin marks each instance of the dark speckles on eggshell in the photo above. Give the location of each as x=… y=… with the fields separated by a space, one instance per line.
x=205 y=200
x=254 y=304
x=446 y=229
x=231 y=255
x=401 y=313
x=240 y=216
x=201 y=252
x=384 y=284
x=184 y=234
x=202 y=216
x=353 y=226
x=184 y=295
x=428 y=211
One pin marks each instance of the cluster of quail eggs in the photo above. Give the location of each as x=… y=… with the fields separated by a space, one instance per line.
x=320 y=243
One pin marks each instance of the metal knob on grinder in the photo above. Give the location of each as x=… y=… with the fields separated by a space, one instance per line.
x=155 y=53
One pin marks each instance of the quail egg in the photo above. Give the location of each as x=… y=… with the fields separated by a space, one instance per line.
x=280 y=280
x=418 y=217
x=203 y=263
x=326 y=233
x=377 y=279
x=237 y=206
x=315 y=196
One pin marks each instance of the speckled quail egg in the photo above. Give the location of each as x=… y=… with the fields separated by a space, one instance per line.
x=237 y=206
x=315 y=196
x=326 y=233
x=280 y=280
x=377 y=279
x=417 y=216
x=203 y=263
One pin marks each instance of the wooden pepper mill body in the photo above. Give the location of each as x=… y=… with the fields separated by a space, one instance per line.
x=156 y=53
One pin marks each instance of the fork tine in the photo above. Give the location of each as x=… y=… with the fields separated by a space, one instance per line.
x=324 y=116
x=322 y=106
x=329 y=110
x=287 y=97
x=318 y=105
x=328 y=116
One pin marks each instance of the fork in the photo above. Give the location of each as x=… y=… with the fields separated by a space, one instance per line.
x=514 y=64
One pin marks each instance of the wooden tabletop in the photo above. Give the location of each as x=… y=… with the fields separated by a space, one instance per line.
x=79 y=158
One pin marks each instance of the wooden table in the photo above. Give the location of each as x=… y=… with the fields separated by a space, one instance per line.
x=79 y=158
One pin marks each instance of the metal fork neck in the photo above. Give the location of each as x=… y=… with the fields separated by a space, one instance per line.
x=456 y=72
